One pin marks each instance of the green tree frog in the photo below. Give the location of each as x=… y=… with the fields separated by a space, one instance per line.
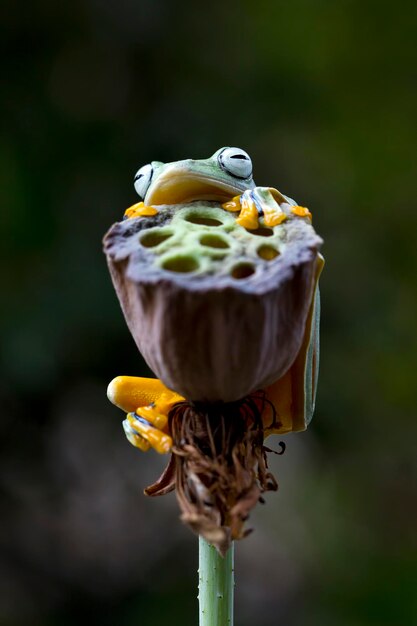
x=225 y=177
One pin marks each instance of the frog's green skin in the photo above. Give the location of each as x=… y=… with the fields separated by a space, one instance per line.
x=194 y=179
x=227 y=173
x=214 y=179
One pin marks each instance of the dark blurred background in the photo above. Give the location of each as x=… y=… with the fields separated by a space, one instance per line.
x=323 y=96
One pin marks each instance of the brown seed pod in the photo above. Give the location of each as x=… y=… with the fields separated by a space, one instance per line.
x=217 y=311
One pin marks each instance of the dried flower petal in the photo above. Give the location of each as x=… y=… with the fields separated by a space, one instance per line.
x=220 y=466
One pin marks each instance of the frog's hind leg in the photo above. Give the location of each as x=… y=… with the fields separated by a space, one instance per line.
x=293 y=395
x=134 y=438
x=143 y=435
x=148 y=403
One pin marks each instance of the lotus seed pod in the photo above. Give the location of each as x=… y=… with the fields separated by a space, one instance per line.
x=216 y=310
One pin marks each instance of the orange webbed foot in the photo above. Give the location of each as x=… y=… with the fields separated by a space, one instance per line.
x=148 y=403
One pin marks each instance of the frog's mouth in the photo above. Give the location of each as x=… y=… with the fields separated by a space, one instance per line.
x=177 y=185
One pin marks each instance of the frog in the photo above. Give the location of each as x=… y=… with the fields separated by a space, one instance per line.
x=227 y=178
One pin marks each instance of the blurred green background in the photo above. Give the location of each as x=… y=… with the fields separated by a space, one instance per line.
x=323 y=96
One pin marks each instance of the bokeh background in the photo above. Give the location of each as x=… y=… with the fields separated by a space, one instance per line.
x=323 y=97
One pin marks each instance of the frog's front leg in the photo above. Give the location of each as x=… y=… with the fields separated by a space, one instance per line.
x=139 y=210
x=147 y=403
x=247 y=208
x=258 y=202
x=268 y=206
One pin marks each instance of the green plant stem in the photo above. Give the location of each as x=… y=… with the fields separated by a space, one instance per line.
x=216 y=585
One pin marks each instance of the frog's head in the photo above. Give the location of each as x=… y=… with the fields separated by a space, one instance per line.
x=225 y=174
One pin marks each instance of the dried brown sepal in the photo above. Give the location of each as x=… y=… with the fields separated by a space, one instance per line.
x=218 y=467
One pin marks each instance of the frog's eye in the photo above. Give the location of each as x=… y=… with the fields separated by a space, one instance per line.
x=142 y=180
x=236 y=162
